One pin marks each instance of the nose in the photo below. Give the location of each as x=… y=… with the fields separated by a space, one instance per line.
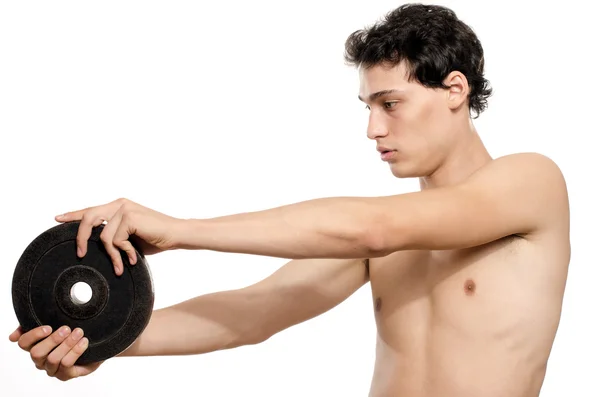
x=376 y=128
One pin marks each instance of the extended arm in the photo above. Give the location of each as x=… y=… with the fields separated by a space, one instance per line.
x=516 y=194
x=298 y=291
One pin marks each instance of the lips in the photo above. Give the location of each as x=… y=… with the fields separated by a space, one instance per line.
x=386 y=154
x=383 y=149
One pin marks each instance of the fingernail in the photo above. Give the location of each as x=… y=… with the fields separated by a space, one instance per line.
x=78 y=333
x=83 y=343
x=79 y=252
x=47 y=329
x=63 y=331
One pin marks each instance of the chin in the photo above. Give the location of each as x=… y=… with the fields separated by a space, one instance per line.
x=407 y=170
x=402 y=171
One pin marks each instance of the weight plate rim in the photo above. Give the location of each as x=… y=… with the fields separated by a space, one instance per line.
x=142 y=306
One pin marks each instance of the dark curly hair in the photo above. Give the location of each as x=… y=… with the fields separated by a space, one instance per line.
x=432 y=42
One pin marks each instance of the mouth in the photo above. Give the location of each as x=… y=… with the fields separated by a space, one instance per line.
x=387 y=155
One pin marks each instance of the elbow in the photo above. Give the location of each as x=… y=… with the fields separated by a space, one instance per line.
x=258 y=336
x=379 y=239
x=375 y=246
x=244 y=339
x=257 y=339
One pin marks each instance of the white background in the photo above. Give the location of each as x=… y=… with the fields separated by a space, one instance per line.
x=201 y=109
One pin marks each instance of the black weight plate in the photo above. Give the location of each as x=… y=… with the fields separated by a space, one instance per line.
x=120 y=306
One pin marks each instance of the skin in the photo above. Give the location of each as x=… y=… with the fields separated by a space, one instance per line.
x=467 y=274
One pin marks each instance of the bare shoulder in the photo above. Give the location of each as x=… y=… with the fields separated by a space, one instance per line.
x=533 y=175
x=534 y=180
x=528 y=165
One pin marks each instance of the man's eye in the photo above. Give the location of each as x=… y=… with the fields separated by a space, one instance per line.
x=389 y=105
x=367 y=107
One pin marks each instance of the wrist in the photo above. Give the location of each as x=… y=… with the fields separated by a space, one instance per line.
x=187 y=234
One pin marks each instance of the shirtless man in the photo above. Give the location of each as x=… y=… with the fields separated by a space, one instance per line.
x=467 y=274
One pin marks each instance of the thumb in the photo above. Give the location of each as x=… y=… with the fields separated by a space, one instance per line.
x=14 y=337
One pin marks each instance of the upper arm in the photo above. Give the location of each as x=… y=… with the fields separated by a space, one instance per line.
x=305 y=288
x=521 y=194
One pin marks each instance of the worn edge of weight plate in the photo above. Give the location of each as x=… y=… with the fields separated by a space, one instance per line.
x=142 y=307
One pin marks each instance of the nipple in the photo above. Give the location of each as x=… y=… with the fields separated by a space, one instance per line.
x=469 y=287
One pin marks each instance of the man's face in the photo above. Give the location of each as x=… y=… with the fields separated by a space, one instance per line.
x=410 y=123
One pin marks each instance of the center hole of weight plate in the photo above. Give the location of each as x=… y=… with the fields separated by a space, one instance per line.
x=81 y=293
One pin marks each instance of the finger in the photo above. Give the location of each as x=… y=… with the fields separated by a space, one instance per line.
x=121 y=241
x=72 y=215
x=129 y=250
x=107 y=237
x=29 y=339
x=56 y=356
x=40 y=352
x=71 y=357
x=16 y=334
x=109 y=208
x=84 y=231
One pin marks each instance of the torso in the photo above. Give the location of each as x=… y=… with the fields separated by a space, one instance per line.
x=475 y=322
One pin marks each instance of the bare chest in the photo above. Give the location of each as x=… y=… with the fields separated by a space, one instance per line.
x=471 y=290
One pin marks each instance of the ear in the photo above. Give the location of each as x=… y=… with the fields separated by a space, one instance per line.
x=458 y=93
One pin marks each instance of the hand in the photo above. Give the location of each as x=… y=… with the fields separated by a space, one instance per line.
x=155 y=232
x=55 y=353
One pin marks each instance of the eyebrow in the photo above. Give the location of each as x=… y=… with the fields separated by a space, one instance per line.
x=378 y=94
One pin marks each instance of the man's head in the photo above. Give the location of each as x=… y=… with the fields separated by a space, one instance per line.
x=421 y=76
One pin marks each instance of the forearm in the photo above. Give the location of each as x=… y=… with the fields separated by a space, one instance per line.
x=320 y=228
x=204 y=324
x=296 y=292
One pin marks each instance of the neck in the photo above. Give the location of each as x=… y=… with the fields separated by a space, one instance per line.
x=466 y=157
